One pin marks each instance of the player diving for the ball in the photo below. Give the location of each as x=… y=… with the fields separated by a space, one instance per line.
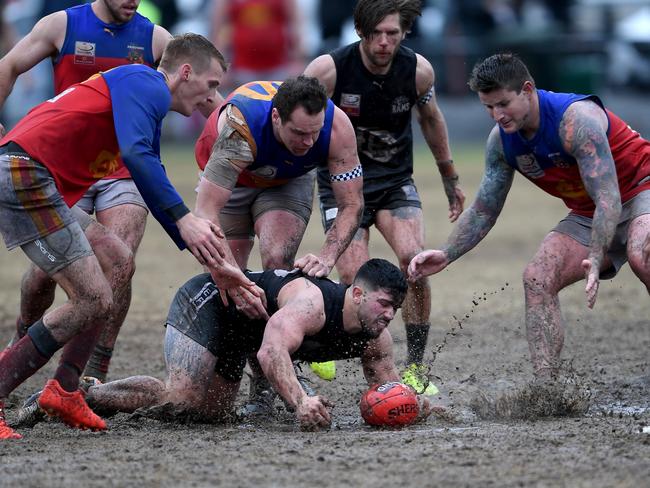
x=311 y=319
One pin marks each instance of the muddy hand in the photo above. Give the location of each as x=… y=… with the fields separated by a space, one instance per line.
x=251 y=301
x=313 y=413
x=204 y=239
x=592 y=275
x=313 y=265
x=425 y=408
x=456 y=203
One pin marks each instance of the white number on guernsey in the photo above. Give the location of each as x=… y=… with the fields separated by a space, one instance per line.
x=64 y=92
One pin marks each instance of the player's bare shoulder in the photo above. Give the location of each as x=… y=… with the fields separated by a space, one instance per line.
x=343 y=143
x=323 y=69
x=50 y=31
x=583 y=122
x=424 y=75
x=159 y=41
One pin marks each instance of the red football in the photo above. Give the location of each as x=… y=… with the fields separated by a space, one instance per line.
x=391 y=404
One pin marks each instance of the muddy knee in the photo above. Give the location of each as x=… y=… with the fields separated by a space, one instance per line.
x=538 y=283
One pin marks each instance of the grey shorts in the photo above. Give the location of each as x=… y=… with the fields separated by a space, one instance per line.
x=34 y=216
x=578 y=227
x=246 y=205
x=402 y=195
x=109 y=193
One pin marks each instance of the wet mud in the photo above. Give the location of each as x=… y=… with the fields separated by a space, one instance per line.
x=501 y=428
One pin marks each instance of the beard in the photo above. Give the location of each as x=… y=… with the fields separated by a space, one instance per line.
x=366 y=329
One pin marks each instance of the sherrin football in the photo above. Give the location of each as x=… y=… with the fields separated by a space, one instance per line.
x=389 y=405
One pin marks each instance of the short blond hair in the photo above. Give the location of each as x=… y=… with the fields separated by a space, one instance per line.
x=193 y=49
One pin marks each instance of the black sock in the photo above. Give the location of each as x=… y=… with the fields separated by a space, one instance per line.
x=416 y=342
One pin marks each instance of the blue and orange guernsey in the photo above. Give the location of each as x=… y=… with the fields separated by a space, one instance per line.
x=274 y=164
x=91 y=46
x=79 y=134
x=544 y=161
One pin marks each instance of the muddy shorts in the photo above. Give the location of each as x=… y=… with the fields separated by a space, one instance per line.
x=34 y=216
x=405 y=195
x=198 y=313
x=246 y=205
x=578 y=227
x=108 y=193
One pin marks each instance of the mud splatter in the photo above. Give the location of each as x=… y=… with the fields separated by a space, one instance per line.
x=563 y=397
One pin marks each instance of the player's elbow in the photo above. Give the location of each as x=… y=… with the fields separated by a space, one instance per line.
x=265 y=356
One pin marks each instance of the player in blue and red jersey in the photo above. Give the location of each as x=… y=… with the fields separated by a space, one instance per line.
x=258 y=153
x=574 y=149
x=50 y=159
x=82 y=41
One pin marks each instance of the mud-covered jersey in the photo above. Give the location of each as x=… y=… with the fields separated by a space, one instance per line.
x=379 y=107
x=91 y=46
x=544 y=161
x=273 y=163
x=78 y=135
x=232 y=336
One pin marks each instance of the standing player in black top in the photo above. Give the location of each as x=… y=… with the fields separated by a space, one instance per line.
x=377 y=82
x=312 y=319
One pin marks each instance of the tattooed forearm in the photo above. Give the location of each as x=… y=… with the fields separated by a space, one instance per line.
x=474 y=224
x=345 y=224
x=583 y=130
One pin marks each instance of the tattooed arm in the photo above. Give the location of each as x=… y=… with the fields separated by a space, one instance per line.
x=583 y=132
x=344 y=167
x=473 y=224
x=434 y=130
x=301 y=313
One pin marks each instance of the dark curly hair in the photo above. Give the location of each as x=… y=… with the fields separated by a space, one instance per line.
x=303 y=91
x=378 y=274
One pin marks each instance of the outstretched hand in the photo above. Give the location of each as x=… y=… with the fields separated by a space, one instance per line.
x=427 y=263
x=592 y=274
x=205 y=240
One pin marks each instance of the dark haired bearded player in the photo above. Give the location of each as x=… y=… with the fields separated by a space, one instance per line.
x=312 y=319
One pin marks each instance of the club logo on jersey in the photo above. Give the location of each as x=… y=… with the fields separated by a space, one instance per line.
x=105 y=164
x=136 y=54
x=574 y=190
x=400 y=105
x=351 y=104
x=529 y=166
x=558 y=160
x=84 y=52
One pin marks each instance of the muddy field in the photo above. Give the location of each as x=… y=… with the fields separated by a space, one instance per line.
x=483 y=355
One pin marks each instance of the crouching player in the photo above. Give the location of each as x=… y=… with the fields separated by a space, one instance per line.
x=311 y=319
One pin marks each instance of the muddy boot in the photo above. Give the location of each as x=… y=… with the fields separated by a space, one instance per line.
x=260 y=398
